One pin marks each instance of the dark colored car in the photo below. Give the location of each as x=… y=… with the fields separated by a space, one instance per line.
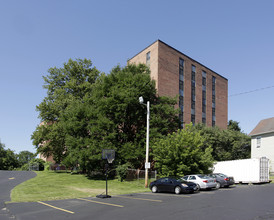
x=168 y=184
x=222 y=180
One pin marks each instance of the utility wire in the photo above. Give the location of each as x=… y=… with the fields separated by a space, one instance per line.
x=256 y=90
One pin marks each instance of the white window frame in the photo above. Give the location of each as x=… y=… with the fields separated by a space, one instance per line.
x=259 y=141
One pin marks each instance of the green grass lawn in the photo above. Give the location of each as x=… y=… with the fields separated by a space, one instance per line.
x=54 y=186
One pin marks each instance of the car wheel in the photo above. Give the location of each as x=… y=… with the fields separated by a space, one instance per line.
x=154 y=189
x=177 y=190
x=198 y=187
x=218 y=185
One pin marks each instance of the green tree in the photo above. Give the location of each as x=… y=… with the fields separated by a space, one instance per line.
x=65 y=86
x=233 y=125
x=85 y=112
x=8 y=159
x=24 y=157
x=182 y=153
x=113 y=118
x=230 y=144
x=37 y=163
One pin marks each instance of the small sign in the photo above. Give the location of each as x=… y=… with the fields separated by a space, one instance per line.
x=147 y=165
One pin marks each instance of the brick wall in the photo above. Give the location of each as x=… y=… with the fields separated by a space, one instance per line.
x=165 y=71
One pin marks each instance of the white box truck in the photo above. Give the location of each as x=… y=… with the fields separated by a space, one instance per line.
x=254 y=170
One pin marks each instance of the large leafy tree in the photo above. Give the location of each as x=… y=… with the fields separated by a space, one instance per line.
x=85 y=112
x=24 y=157
x=8 y=159
x=182 y=153
x=233 y=125
x=65 y=86
x=112 y=117
x=230 y=144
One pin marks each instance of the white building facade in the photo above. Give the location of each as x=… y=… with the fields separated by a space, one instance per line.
x=262 y=141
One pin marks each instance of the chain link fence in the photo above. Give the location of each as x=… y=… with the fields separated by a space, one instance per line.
x=136 y=174
x=33 y=166
x=58 y=167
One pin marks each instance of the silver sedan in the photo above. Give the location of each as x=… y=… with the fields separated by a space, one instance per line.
x=203 y=181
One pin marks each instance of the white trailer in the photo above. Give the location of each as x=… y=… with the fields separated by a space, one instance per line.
x=254 y=170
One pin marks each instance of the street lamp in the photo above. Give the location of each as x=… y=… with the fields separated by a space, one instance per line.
x=147 y=164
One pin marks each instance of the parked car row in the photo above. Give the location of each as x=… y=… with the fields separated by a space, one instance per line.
x=191 y=183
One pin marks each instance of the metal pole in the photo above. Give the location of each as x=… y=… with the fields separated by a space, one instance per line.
x=147 y=145
x=107 y=183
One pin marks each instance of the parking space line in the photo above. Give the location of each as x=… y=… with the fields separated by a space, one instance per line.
x=120 y=206
x=158 y=194
x=64 y=210
x=207 y=192
x=12 y=178
x=127 y=197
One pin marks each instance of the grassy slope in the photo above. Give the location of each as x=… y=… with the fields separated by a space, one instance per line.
x=52 y=186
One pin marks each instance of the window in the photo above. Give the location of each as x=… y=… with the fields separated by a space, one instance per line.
x=181 y=103
x=181 y=62
x=204 y=96
x=193 y=95
x=259 y=141
x=204 y=120
x=213 y=101
x=193 y=92
x=192 y=177
x=192 y=104
x=181 y=85
x=181 y=118
x=193 y=98
x=213 y=83
x=204 y=108
x=204 y=74
x=213 y=116
x=181 y=69
x=204 y=78
x=204 y=81
x=181 y=100
x=181 y=91
x=193 y=119
x=193 y=69
x=193 y=76
x=148 y=59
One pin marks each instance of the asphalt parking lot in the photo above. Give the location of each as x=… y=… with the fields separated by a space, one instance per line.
x=8 y=180
x=239 y=202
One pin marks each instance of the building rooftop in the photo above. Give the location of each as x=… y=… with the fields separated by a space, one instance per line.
x=180 y=53
x=263 y=127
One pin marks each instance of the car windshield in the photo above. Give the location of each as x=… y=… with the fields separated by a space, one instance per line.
x=202 y=176
x=221 y=175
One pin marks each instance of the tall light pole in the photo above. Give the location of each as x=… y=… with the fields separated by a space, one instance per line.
x=147 y=164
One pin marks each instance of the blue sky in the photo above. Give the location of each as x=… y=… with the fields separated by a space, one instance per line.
x=234 y=38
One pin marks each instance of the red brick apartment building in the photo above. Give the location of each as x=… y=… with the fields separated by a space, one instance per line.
x=202 y=92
